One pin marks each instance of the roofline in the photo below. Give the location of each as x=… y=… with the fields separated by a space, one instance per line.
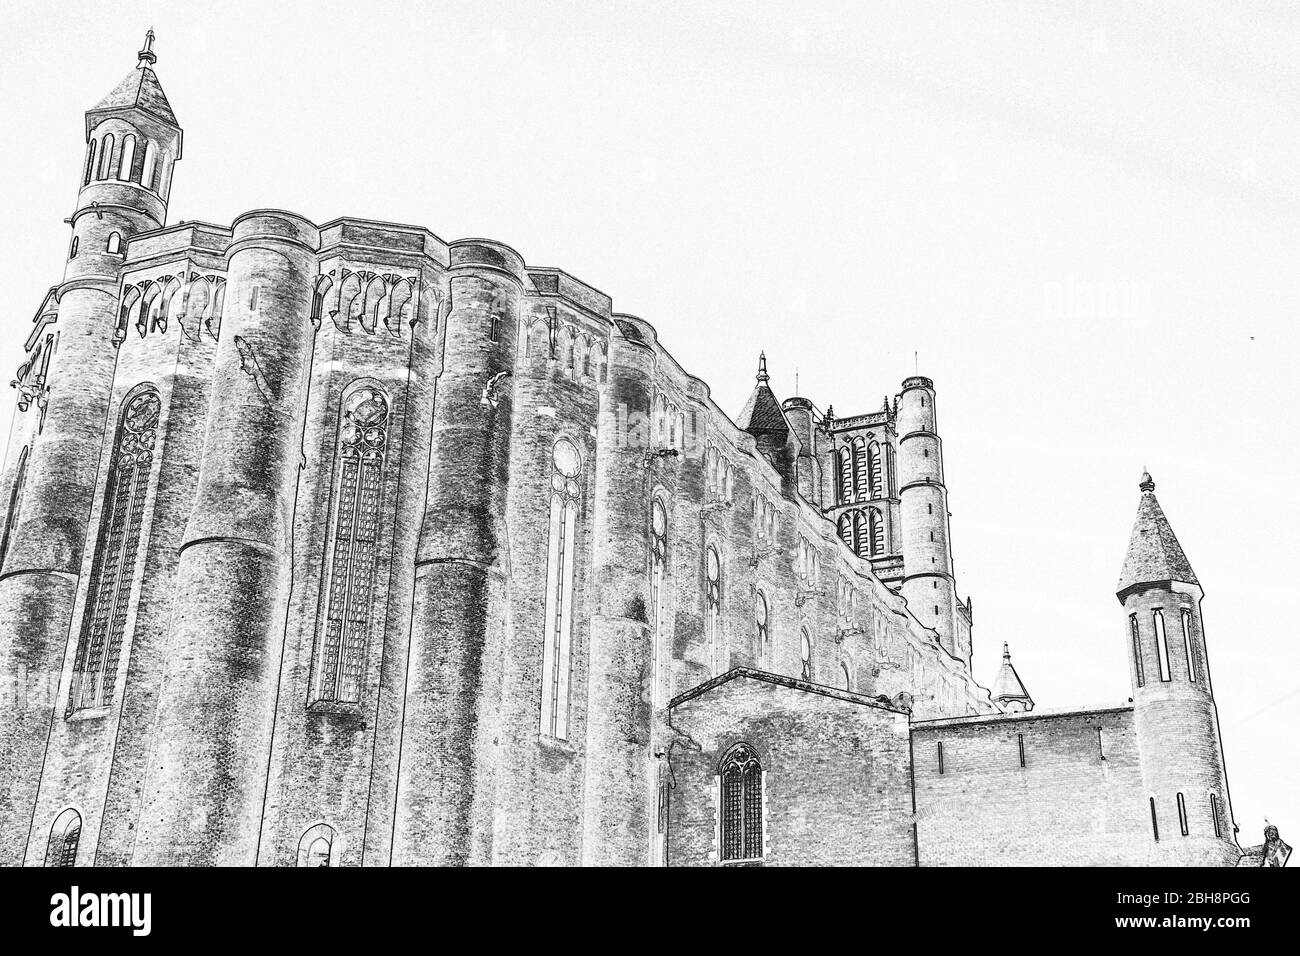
x=792 y=682
x=1024 y=715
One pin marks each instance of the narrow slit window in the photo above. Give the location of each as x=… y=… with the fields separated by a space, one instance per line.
x=1214 y=813
x=939 y=752
x=1162 y=645
x=556 y=649
x=1155 y=826
x=1020 y=740
x=1187 y=645
x=1137 y=649
x=1101 y=745
x=1182 y=814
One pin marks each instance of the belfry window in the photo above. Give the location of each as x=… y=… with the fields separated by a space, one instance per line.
x=1137 y=649
x=1162 y=645
x=65 y=834
x=90 y=163
x=875 y=470
x=128 y=158
x=861 y=477
x=94 y=669
x=566 y=469
x=658 y=592
x=713 y=608
x=105 y=157
x=353 y=548
x=1186 y=616
x=742 y=805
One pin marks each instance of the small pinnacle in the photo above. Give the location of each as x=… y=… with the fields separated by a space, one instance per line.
x=1146 y=484
x=147 y=55
x=1006 y=651
x=762 y=367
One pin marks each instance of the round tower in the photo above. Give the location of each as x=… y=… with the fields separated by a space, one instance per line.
x=928 y=582
x=448 y=749
x=133 y=140
x=205 y=787
x=1177 y=724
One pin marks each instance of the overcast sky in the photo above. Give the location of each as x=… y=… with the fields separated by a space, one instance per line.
x=1081 y=217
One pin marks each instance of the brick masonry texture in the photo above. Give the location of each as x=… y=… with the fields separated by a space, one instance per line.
x=386 y=588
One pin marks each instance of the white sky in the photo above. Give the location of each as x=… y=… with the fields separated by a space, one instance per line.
x=1083 y=216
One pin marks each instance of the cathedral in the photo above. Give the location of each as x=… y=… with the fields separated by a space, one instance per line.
x=339 y=544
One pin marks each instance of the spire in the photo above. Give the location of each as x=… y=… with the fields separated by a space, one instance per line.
x=762 y=413
x=147 y=56
x=1154 y=554
x=1008 y=690
x=140 y=90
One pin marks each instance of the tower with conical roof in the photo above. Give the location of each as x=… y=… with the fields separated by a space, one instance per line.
x=763 y=418
x=1008 y=690
x=132 y=143
x=1177 y=724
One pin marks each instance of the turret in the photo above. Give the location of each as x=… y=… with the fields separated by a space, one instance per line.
x=1177 y=724
x=928 y=581
x=1008 y=690
x=133 y=140
x=762 y=417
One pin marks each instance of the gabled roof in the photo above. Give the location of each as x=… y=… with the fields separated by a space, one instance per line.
x=1154 y=553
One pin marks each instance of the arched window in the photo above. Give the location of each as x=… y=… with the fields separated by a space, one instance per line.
x=658 y=594
x=316 y=848
x=94 y=669
x=15 y=504
x=760 y=626
x=114 y=243
x=352 y=553
x=861 y=478
x=875 y=470
x=713 y=608
x=845 y=528
x=150 y=164
x=1162 y=645
x=105 y=157
x=1186 y=616
x=844 y=474
x=90 y=162
x=65 y=834
x=1137 y=649
x=128 y=158
x=566 y=468
x=805 y=655
x=742 y=804
x=877 y=531
x=861 y=535
x=72 y=250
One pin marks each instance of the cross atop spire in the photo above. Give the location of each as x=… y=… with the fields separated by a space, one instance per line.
x=147 y=55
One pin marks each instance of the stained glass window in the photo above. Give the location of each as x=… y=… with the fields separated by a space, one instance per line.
x=354 y=545
x=94 y=669
x=742 y=805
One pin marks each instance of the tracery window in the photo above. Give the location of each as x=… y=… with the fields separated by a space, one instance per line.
x=94 y=669
x=354 y=545
x=861 y=477
x=742 y=805
x=875 y=470
x=713 y=608
x=566 y=468
x=877 y=532
x=65 y=834
x=658 y=592
x=844 y=471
